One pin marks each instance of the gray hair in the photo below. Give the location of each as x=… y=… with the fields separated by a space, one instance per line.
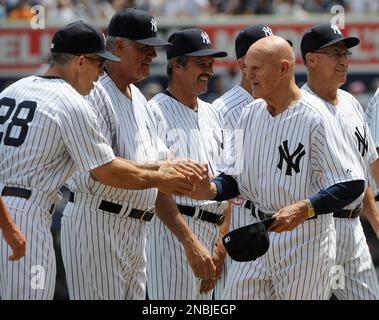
x=60 y=59
x=111 y=43
x=181 y=60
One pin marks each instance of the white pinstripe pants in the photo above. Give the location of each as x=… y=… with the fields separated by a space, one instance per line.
x=353 y=255
x=33 y=276
x=170 y=276
x=297 y=266
x=104 y=254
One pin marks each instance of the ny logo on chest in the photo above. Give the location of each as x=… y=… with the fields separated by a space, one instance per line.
x=362 y=141
x=292 y=159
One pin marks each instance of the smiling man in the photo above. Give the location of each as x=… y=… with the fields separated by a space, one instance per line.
x=191 y=128
x=104 y=228
x=326 y=56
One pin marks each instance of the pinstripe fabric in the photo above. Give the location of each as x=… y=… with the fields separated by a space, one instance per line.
x=18 y=280
x=372 y=118
x=271 y=185
x=196 y=135
x=107 y=257
x=63 y=134
x=353 y=254
x=297 y=266
x=230 y=106
x=352 y=251
x=170 y=276
x=102 y=259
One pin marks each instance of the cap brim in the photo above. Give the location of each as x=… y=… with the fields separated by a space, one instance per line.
x=349 y=42
x=154 y=42
x=108 y=56
x=208 y=52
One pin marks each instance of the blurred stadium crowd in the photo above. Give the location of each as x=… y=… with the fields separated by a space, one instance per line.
x=69 y=10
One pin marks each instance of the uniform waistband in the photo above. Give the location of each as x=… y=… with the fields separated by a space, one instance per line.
x=39 y=197
x=116 y=208
x=198 y=213
x=260 y=215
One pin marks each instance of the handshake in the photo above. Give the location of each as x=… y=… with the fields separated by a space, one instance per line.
x=184 y=177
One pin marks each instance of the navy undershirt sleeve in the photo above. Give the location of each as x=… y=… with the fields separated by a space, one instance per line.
x=337 y=196
x=227 y=187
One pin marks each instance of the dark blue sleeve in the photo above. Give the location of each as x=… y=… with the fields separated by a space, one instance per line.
x=337 y=196
x=227 y=187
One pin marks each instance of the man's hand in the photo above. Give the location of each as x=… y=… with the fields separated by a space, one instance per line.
x=16 y=240
x=178 y=176
x=288 y=218
x=218 y=259
x=203 y=189
x=199 y=259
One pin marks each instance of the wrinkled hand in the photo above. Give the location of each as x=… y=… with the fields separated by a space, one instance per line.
x=288 y=218
x=190 y=168
x=202 y=189
x=218 y=259
x=16 y=240
x=173 y=181
x=178 y=176
x=200 y=260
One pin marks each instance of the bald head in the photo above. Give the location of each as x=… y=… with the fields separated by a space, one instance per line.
x=273 y=49
x=270 y=67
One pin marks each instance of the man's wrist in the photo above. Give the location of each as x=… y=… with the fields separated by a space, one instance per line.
x=310 y=210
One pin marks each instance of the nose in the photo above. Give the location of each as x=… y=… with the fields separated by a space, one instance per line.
x=209 y=68
x=152 y=52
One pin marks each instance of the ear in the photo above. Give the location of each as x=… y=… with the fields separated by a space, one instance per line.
x=241 y=63
x=119 y=45
x=79 y=63
x=285 y=65
x=310 y=59
x=176 y=66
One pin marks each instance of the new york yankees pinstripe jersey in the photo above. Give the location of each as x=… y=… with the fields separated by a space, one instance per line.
x=230 y=106
x=351 y=119
x=292 y=155
x=190 y=134
x=130 y=128
x=372 y=118
x=47 y=131
x=352 y=252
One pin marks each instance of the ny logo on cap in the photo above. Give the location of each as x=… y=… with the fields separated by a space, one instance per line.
x=267 y=31
x=205 y=38
x=153 y=25
x=336 y=29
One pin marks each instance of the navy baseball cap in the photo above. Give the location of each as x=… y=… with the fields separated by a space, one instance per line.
x=78 y=38
x=246 y=37
x=324 y=35
x=137 y=25
x=249 y=242
x=193 y=43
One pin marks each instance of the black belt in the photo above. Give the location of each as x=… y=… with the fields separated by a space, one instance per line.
x=20 y=193
x=348 y=214
x=260 y=215
x=116 y=208
x=203 y=215
x=16 y=192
